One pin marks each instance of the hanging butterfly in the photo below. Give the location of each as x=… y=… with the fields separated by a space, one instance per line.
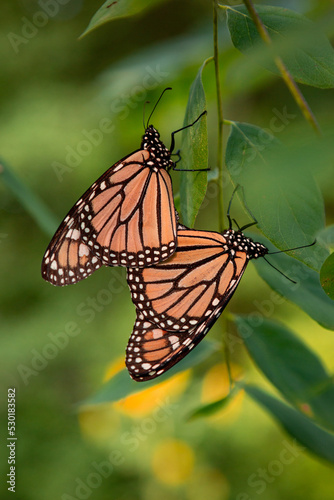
x=179 y=300
x=126 y=218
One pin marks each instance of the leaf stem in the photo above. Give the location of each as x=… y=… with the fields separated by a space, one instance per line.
x=220 y=119
x=289 y=81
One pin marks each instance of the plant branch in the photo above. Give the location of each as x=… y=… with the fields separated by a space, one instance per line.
x=289 y=81
x=220 y=157
x=220 y=119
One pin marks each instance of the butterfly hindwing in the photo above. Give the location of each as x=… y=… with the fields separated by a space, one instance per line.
x=152 y=350
x=68 y=259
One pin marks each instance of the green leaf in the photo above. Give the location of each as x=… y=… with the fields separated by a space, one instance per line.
x=194 y=153
x=30 y=202
x=281 y=194
x=121 y=385
x=114 y=9
x=307 y=292
x=306 y=52
x=326 y=236
x=327 y=276
x=212 y=408
x=290 y=365
x=314 y=438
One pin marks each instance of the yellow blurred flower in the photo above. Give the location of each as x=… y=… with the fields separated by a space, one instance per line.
x=114 y=368
x=100 y=423
x=144 y=402
x=173 y=462
x=216 y=386
x=208 y=482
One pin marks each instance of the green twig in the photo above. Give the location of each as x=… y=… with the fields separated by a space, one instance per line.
x=289 y=81
x=33 y=205
x=220 y=119
x=228 y=364
x=220 y=157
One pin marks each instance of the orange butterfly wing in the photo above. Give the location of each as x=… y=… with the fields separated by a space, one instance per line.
x=179 y=300
x=152 y=350
x=68 y=259
x=126 y=218
x=181 y=292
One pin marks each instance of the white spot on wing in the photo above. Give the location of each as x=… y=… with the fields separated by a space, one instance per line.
x=83 y=250
x=157 y=334
x=75 y=234
x=173 y=339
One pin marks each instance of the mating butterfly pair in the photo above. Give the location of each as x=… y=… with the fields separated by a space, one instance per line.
x=180 y=279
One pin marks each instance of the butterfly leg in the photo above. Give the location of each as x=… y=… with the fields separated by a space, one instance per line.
x=245 y=204
x=183 y=128
x=178 y=156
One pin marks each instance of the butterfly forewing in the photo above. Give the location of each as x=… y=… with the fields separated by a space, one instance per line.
x=129 y=217
x=126 y=218
x=184 y=290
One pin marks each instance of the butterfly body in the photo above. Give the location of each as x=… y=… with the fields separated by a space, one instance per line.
x=179 y=300
x=126 y=218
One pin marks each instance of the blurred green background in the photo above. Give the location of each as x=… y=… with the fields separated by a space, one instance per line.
x=59 y=344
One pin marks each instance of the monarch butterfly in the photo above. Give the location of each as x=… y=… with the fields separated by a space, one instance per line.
x=126 y=218
x=180 y=299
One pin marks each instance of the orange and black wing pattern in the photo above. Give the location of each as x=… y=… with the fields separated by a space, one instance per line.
x=126 y=218
x=179 y=300
x=152 y=350
x=68 y=259
x=180 y=292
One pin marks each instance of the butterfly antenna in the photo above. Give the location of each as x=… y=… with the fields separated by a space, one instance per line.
x=146 y=102
x=285 y=276
x=156 y=104
x=295 y=248
x=235 y=222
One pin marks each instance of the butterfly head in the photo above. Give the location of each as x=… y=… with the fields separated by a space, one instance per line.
x=237 y=241
x=158 y=151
